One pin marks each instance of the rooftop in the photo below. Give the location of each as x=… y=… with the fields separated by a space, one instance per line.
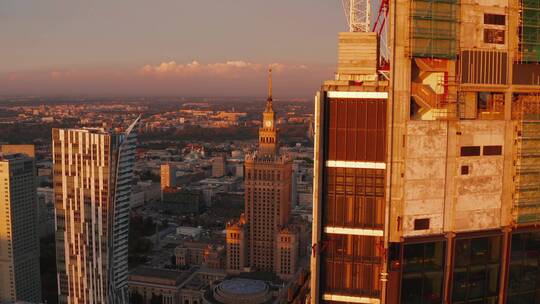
x=158 y=276
x=243 y=286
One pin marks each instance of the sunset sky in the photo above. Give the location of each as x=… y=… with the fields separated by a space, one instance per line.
x=167 y=47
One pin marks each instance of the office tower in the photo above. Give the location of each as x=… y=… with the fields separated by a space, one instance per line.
x=19 y=240
x=92 y=186
x=267 y=179
x=426 y=185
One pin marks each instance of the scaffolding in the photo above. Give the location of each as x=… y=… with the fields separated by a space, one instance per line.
x=447 y=103
x=526 y=108
x=434 y=28
x=530 y=31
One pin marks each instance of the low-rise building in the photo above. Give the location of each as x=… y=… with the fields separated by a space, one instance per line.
x=201 y=253
x=190 y=253
x=151 y=285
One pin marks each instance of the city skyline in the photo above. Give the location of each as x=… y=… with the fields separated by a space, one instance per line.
x=395 y=158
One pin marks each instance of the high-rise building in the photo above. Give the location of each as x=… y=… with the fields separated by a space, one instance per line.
x=93 y=171
x=427 y=183
x=267 y=179
x=19 y=239
x=168 y=175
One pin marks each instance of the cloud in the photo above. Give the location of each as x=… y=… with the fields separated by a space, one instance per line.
x=233 y=69
x=230 y=78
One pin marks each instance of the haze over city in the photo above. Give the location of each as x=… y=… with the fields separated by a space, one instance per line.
x=192 y=48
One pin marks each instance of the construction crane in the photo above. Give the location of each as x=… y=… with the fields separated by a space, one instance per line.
x=379 y=26
x=358 y=13
x=382 y=15
x=359 y=19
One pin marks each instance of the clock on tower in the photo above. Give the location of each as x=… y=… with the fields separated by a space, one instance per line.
x=267 y=134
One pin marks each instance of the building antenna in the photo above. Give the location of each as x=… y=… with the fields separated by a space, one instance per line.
x=269 y=84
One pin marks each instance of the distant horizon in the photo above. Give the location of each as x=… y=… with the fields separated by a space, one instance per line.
x=211 y=48
x=5 y=98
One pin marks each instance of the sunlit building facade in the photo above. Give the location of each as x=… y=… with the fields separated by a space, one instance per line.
x=427 y=176
x=19 y=243
x=256 y=241
x=92 y=187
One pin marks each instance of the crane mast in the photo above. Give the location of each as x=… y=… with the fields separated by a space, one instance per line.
x=359 y=19
x=358 y=15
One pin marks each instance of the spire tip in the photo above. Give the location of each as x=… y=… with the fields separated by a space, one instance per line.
x=270 y=83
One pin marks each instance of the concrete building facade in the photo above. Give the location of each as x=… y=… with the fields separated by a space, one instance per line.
x=92 y=187
x=200 y=253
x=19 y=239
x=426 y=186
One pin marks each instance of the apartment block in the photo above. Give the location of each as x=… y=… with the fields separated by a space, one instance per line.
x=427 y=176
x=19 y=238
x=92 y=188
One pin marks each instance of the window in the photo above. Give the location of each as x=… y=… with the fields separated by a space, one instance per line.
x=423 y=273
x=421 y=224
x=524 y=271
x=352 y=265
x=356 y=130
x=494 y=19
x=476 y=270
x=355 y=198
x=492 y=150
x=465 y=170
x=494 y=36
x=470 y=151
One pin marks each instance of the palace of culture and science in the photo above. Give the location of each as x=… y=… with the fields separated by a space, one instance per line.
x=264 y=238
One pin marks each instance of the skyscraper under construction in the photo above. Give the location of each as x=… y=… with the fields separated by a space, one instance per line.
x=427 y=158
